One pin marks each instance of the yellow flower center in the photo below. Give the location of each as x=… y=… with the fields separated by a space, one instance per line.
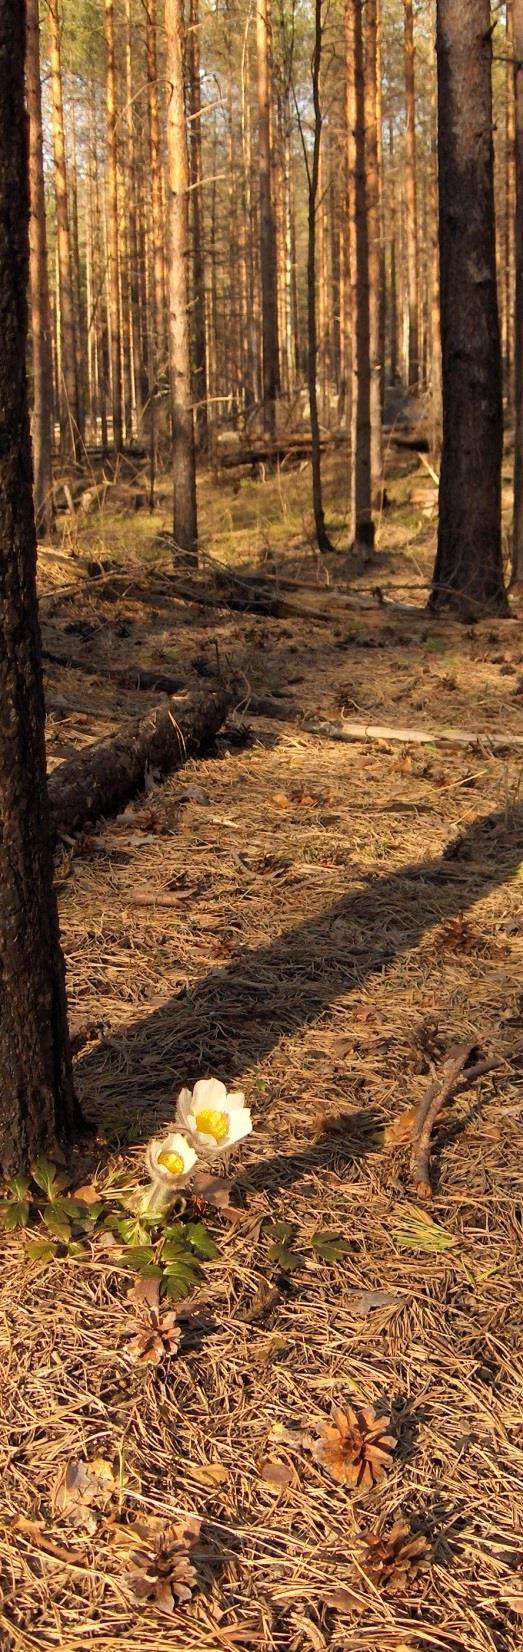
x=212 y=1123
x=173 y=1163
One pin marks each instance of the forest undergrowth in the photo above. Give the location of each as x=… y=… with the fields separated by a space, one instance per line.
x=316 y=923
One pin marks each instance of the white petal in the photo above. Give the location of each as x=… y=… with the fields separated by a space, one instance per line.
x=183 y=1106
x=235 y=1099
x=240 y=1125
x=209 y=1092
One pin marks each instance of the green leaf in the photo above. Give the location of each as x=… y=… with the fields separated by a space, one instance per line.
x=132 y=1231
x=48 y=1177
x=77 y=1248
x=330 y=1246
x=57 y=1223
x=281 y=1230
x=19 y=1185
x=73 y=1209
x=41 y=1250
x=287 y=1260
x=14 y=1213
x=141 y=1258
x=260 y=1084
x=180 y=1278
x=200 y=1240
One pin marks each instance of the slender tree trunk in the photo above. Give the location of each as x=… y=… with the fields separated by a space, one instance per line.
x=139 y=388
x=195 y=158
x=79 y=318
x=267 y=230
x=184 y=472
x=112 y=230
x=435 y=322
x=411 y=223
x=468 y=575
x=42 y=421
x=322 y=537
x=517 y=544
x=36 y=1091
x=69 y=399
x=510 y=219
x=361 y=488
x=393 y=285
x=374 y=229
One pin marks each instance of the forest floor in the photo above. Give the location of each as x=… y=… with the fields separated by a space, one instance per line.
x=316 y=923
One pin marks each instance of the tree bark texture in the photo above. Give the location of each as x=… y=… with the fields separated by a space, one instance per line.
x=361 y=477
x=312 y=354
x=113 y=229
x=267 y=225
x=517 y=542
x=468 y=574
x=184 y=470
x=102 y=777
x=70 y=419
x=42 y=420
x=411 y=223
x=195 y=158
x=36 y=1092
x=374 y=241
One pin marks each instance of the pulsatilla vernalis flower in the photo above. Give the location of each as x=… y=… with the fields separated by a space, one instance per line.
x=215 y=1119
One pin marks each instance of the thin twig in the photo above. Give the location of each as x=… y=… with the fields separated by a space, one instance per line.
x=430 y=1106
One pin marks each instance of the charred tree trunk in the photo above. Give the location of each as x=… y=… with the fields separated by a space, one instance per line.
x=517 y=543
x=468 y=574
x=322 y=536
x=42 y=420
x=36 y=1092
x=374 y=242
x=184 y=470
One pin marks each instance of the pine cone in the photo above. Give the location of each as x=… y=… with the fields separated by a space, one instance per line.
x=156 y=1339
x=356 y=1447
x=165 y=1574
x=394 y=1562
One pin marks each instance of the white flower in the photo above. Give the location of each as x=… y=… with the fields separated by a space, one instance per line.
x=216 y=1120
x=156 y=1199
x=170 y=1160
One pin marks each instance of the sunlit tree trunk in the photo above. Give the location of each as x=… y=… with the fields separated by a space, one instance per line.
x=42 y=420
x=113 y=230
x=374 y=241
x=517 y=543
x=267 y=229
x=198 y=267
x=70 y=418
x=313 y=180
x=411 y=224
x=510 y=208
x=361 y=477
x=184 y=474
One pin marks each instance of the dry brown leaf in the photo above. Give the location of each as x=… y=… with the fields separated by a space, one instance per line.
x=364 y=1302
x=340 y=1598
x=145 y=1293
x=214 y=1190
x=356 y=1447
x=207 y=1474
x=281 y=801
x=262 y=1303
x=156 y=1338
x=400 y=1130
x=84 y=1492
x=278 y=1474
x=89 y=1194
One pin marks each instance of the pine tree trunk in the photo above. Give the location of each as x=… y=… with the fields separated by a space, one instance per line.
x=468 y=575
x=411 y=224
x=312 y=356
x=374 y=223
x=36 y=1092
x=69 y=399
x=267 y=230
x=42 y=420
x=198 y=266
x=361 y=479
x=517 y=544
x=435 y=323
x=139 y=388
x=113 y=230
x=510 y=186
x=184 y=472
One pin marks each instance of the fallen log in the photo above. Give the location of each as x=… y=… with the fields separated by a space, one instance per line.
x=412 y=736
x=247 y=602
x=100 y=779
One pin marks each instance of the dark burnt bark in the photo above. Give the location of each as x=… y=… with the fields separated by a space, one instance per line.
x=102 y=777
x=36 y=1091
x=468 y=575
x=517 y=543
x=42 y=422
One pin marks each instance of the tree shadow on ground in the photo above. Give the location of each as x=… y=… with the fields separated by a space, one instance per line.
x=233 y=1018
